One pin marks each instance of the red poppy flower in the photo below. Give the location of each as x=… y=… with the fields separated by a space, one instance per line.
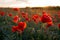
x=46 y=18
x=59 y=26
x=49 y=24
x=14 y=28
x=22 y=25
x=24 y=14
x=10 y=14
x=2 y=13
x=16 y=9
x=15 y=19
x=34 y=17
x=27 y=19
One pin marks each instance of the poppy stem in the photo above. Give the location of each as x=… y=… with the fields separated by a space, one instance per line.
x=16 y=35
x=20 y=36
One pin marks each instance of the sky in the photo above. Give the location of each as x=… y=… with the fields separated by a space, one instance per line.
x=29 y=3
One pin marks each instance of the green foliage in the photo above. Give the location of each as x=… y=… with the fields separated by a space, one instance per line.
x=32 y=32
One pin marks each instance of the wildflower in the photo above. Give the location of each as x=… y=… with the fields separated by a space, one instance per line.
x=14 y=28
x=10 y=14
x=59 y=26
x=15 y=19
x=35 y=18
x=24 y=15
x=2 y=13
x=22 y=25
x=16 y=9
x=49 y=24
x=45 y=18
x=27 y=19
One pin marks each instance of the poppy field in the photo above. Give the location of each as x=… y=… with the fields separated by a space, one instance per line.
x=28 y=24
